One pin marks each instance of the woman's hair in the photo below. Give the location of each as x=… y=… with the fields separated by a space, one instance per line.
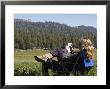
x=87 y=44
x=83 y=43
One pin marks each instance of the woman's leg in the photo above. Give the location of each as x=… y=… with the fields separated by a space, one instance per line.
x=44 y=57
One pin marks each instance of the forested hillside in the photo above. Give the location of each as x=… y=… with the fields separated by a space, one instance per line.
x=50 y=35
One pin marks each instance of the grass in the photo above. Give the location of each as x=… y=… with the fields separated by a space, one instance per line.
x=27 y=56
x=25 y=64
x=27 y=69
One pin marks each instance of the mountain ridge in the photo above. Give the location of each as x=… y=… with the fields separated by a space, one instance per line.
x=49 y=34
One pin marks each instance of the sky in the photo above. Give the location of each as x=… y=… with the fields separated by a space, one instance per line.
x=69 y=19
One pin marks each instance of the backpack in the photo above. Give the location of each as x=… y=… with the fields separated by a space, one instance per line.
x=87 y=62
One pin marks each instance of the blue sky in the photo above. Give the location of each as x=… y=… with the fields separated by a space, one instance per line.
x=69 y=19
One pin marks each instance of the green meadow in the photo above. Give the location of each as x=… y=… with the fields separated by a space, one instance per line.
x=26 y=65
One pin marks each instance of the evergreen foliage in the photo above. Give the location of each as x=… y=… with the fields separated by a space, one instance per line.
x=49 y=35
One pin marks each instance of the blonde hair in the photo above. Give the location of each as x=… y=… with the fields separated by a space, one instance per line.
x=87 y=44
x=83 y=43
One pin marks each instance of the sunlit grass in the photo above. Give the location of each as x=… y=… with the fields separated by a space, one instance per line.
x=25 y=64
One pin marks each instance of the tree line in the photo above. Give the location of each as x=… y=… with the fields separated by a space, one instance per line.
x=29 y=35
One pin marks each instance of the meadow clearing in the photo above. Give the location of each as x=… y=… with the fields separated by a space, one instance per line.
x=26 y=65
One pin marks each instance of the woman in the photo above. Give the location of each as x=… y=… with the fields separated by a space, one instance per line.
x=61 y=53
x=87 y=50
